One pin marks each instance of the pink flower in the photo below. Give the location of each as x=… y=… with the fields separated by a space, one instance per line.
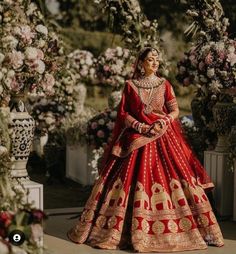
x=101 y=134
x=232 y=58
x=186 y=81
x=106 y=68
x=48 y=82
x=25 y=33
x=40 y=54
x=94 y=125
x=16 y=59
x=209 y=59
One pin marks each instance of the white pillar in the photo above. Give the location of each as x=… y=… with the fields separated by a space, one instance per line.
x=218 y=167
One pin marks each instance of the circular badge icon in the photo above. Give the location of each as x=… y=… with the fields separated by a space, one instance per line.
x=16 y=237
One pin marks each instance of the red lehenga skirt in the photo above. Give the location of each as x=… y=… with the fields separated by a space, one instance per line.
x=151 y=200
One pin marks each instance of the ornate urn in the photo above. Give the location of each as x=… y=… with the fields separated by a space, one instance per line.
x=22 y=125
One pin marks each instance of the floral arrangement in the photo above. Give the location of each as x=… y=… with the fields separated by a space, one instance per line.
x=82 y=63
x=15 y=212
x=100 y=128
x=76 y=126
x=136 y=29
x=211 y=67
x=114 y=67
x=29 y=50
x=50 y=113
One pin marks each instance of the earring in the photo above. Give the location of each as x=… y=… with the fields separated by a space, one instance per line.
x=142 y=71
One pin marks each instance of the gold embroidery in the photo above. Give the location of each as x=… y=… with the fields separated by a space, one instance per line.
x=101 y=221
x=116 y=194
x=135 y=224
x=112 y=222
x=158 y=227
x=145 y=226
x=137 y=143
x=141 y=196
x=203 y=220
x=87 y=215
x=172 y=226
x=160 y=196
x=177 y=193
x=185 y=224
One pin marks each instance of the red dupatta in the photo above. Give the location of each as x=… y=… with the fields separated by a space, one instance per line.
x=125 y=140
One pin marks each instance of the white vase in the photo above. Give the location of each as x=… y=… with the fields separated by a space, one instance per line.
x=22 y=125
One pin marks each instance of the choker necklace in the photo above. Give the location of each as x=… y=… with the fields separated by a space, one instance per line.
x=148 y=82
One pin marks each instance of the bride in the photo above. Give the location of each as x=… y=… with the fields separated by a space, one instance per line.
x=150 y=195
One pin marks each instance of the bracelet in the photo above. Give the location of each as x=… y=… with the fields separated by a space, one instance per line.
x=162 y=122
x=140 y=127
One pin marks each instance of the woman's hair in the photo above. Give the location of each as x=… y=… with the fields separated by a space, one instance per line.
x=140 y=58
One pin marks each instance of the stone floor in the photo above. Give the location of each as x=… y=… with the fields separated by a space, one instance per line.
x=60 y=220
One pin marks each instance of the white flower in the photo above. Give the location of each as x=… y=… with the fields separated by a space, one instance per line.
x=101 y=121
x=119 y=51
x=31 y=53
x=1 y=88
x=232 y=58
x=215 y=86
x=42 y=29
x=16 y=59
x=25 y=33
x=31 y=8
x=231 y=49
x=10 y=41
x=10 y=73
x=41 y=43
x=210 y=72
x=39 y=66
x=3 y=150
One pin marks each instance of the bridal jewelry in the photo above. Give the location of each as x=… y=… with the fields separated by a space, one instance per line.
x=148 y=83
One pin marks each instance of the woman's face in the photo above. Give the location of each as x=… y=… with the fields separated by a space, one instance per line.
x=151 y=62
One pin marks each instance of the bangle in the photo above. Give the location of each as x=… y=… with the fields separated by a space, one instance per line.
x=140 y=127
x=171 y=118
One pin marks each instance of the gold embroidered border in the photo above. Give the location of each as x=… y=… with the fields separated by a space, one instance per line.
x=137 y=143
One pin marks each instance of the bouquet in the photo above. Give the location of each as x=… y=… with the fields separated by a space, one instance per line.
x=100 y=128
x=114 y=67
x=211 y=67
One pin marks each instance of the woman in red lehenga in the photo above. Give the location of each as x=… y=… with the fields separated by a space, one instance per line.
x=150 y=195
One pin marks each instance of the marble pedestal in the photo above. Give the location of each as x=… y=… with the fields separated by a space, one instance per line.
x=77 y=168
x=218 y=168
x=35 y=193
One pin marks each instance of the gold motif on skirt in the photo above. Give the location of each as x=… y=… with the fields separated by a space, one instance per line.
x=87 y=215
x=141 y=196
x=145 y=226
x=160 y=196
x=112 y=222
x=185 y=224
x=172 y=226
x=203 y=220
x=158 y=227
x=135 y=224
x=101 y=221
x=177 y=193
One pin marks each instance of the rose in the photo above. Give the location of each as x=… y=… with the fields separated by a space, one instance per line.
x=100 y=134
x=31 y=53
x=209 y=59
x=25 y=33
x=37 y=216
x=94 y=125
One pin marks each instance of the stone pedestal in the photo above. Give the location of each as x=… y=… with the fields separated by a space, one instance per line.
x=218 y=168
x=35 y=192
x=77 y=169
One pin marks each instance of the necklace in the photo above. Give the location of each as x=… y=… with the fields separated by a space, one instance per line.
x=147 y=83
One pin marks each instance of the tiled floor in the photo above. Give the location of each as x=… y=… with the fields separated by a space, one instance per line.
x=61 y=220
